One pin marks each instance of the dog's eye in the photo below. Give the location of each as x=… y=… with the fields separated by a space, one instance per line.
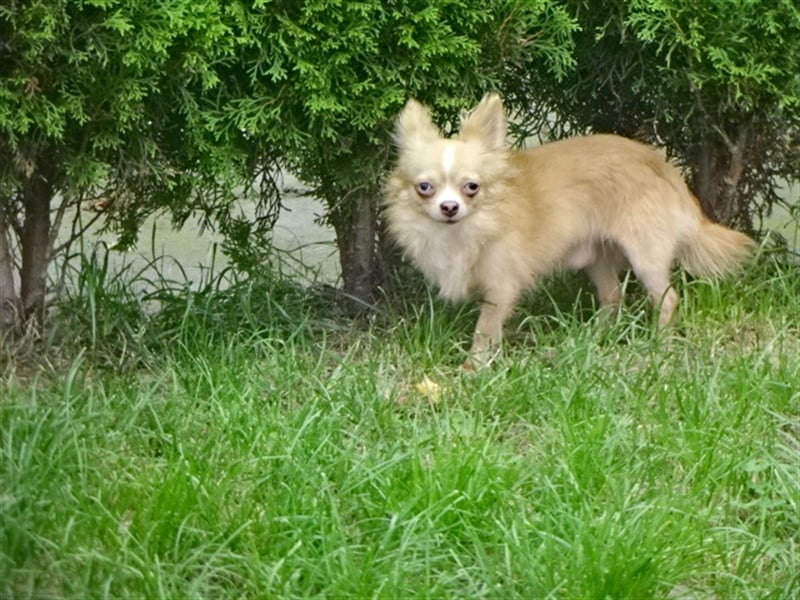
x=471 y=188
x=424 y=189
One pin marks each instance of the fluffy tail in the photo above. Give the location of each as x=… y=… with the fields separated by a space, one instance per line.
x=715 y=250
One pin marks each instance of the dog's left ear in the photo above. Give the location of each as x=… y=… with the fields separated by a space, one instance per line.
x=486 y=123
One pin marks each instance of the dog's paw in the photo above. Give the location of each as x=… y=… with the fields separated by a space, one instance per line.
x=480 y=359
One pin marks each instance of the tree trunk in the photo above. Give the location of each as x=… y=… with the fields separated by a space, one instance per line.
x=9 y=301
x=35 y=242
x=717 y=173
x=704 y=183
x=355 y=227
x=731 y=205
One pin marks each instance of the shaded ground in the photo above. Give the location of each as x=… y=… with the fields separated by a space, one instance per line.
x=310 y=249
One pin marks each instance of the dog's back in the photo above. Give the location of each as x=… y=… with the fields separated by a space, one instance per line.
x=609 y=189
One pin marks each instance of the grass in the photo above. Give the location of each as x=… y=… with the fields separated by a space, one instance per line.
x=243 y=442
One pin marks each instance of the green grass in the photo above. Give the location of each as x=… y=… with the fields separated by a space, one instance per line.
x=246 y=443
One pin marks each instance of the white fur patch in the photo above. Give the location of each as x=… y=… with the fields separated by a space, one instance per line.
x=449 y=194
x=448 y=258
x=448 y=159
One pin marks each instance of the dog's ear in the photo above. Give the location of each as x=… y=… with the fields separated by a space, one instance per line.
x=414 y=125
x=486 y=123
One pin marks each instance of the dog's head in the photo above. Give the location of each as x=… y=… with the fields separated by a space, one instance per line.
x=448 y=178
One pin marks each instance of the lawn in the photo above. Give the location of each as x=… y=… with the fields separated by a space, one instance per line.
x=250 y=442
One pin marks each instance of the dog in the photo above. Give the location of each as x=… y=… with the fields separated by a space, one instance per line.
x=480 y=218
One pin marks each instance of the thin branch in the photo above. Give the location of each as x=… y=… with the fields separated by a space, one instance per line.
x=75 y=234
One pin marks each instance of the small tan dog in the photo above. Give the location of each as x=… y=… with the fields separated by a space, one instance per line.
x=480 y=218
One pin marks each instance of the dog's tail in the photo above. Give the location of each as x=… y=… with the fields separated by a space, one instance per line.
x=716 y=250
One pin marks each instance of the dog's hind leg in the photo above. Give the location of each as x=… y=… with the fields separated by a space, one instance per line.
x=652 y=266
x=604 y=274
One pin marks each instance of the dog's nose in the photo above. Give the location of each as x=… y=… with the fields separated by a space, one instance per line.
x=449 y=208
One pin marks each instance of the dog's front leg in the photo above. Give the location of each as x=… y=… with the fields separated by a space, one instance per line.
x=488 y=333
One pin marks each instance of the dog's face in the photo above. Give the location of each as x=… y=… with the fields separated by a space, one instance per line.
x=449 y=178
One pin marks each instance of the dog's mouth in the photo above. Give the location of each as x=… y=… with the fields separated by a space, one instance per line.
x=445 y=220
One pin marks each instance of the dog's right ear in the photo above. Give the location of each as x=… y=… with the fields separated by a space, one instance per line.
x=414 y=125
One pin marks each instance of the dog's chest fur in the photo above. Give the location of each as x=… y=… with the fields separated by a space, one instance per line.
x=448 y=254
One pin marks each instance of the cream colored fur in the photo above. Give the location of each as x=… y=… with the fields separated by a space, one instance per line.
x=479 y=218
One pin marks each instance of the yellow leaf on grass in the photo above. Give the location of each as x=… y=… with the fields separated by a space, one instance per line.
x=429 y=389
